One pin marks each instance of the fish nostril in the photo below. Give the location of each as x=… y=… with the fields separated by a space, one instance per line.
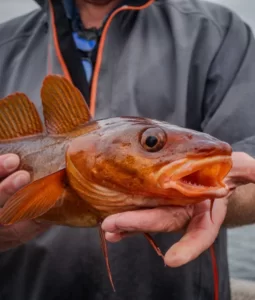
x=227 y=149
x=220 y=148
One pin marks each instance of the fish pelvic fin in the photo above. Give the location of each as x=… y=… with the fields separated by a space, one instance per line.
x=64 y=107
x=106 y=257
x=34 y=199
x=18 y=117
x=154 y=245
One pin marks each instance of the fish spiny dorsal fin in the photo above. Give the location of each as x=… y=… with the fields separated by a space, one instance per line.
x=18 y=117
x=63 y=104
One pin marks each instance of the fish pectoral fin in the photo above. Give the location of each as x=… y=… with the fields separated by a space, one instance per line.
x=34 y=199
x=63 y=105
x=18 y=117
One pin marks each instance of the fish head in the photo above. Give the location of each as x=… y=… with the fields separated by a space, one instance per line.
x=139 y=156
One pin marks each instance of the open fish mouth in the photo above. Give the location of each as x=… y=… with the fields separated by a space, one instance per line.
x=197 y=177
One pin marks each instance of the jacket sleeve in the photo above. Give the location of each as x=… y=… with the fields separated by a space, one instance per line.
x=229 y=99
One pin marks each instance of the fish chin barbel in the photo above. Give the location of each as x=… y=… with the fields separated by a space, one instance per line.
x=84 y=170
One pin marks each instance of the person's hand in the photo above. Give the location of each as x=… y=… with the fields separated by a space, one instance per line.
x=10 y=182
x=201 y=229
x=243 y=170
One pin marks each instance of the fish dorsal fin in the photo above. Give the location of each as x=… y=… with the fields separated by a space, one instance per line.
x=18 y=117
x=63 y=104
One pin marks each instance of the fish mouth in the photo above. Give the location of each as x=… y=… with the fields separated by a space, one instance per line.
x=197 y=177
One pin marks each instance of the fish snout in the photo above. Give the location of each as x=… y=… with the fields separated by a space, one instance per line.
x=213 y=147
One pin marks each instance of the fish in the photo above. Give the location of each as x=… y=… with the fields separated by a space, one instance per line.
x=83 y=170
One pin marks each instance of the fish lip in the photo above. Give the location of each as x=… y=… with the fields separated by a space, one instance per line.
x=171 y=176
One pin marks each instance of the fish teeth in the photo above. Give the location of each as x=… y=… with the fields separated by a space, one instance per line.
x=193 y=183
x=196 y=184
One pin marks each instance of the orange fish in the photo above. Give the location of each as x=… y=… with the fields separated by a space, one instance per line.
x=84 y=170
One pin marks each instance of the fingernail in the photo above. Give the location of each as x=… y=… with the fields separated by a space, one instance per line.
x=11 y=163
x=174 y=259
x=20 y=180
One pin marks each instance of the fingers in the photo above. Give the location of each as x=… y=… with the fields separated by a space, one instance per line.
x=12 y=184
x=164 y=219
x=15 y=235
x=201 y=234
x=202 y=227
x=191 y=245
x=8 y=164
x=243 y=170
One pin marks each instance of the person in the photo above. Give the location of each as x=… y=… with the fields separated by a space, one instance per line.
x=190 y=63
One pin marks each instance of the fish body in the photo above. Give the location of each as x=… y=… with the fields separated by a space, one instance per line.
x=88 y=169
x=84 y=170
x=108 y=168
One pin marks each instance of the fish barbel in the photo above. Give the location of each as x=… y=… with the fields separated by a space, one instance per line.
x=84 y=170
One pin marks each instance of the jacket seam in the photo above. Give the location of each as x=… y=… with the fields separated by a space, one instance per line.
x=219 y=28
x=13 y=39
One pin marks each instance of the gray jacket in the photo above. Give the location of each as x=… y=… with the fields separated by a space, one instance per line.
x=187 y=62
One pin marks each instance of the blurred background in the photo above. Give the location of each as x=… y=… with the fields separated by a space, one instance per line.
x=242 y=240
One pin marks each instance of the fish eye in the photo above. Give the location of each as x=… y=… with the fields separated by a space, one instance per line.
x=153 y=139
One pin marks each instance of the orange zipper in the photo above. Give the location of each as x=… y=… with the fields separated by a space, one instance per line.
x=100 y=50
